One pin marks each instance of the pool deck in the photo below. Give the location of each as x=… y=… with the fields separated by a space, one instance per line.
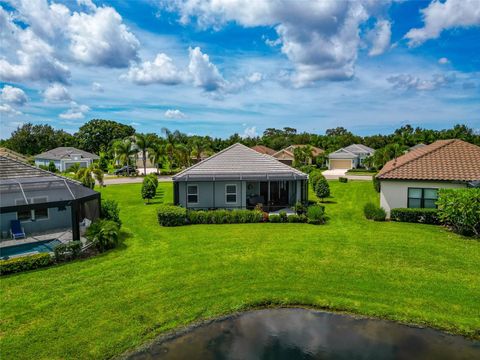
x=64 y=236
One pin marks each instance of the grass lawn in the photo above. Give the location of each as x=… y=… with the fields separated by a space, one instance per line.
x=363 y=173
x=163 y=278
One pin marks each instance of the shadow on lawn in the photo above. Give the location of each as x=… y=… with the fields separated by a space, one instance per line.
x=158 y=198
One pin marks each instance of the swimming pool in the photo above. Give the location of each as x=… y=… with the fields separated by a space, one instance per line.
x=39 y=246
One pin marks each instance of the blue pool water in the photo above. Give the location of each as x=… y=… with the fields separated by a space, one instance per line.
x=40 y=246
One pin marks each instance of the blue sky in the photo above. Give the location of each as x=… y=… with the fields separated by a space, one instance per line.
x=219 y=67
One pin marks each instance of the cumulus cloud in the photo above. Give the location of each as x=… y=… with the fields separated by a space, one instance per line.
x=439 y=16
x=6 y=109
x=13 y=95
x=56 y=93
x=204 y=73
x=174 y=114
x=250 y=132
x=409 y=82
x=76 y=111
x=380 y=37
x=320 y=38
x=443 y=61
x=97 y=87
x=255 y=77
x=162 y=70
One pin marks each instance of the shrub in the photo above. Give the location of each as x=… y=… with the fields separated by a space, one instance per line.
x=283 y=216
x=84 y=175
x=380 y=214
x=274 y=218
x=110 y=211
x=460 y=209
x=424 y=216
x=343 y=179
x=374 y=212
x=67 y=251
x=376 y=183
x=197 y=217
x=104 y=234
x=322 y=189
x=314 y=177
x=236 y=216
x=170 y=215
x=25 y=263
x=297 y=218
x=300 y=208
x=52 y=167
x=219 y=216
x=316 y=215
x=148 y=188
x=154 y=179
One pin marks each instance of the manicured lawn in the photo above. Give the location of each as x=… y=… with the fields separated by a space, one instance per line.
x=163 y=278
x=362 y=173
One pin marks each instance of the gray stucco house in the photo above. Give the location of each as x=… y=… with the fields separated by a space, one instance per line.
x=64 y=157
x=240 y=178
x=349 y=157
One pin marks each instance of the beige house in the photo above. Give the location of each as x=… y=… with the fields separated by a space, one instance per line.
x=349 y=157
x=287 y=155
x=413 y=180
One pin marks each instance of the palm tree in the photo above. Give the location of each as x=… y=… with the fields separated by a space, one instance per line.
x=144 y=142
x=182 y=154
x=156 y=154
x=170 y=145
x=199 y=147
x=124 y=151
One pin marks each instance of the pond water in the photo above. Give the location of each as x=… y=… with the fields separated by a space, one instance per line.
x=306 y=334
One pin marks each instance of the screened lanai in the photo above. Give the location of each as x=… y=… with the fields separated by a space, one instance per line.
x=43 y=201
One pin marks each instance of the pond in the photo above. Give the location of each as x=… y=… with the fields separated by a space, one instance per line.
x=292 y=333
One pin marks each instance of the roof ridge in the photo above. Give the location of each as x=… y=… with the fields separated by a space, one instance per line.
x=447 y=142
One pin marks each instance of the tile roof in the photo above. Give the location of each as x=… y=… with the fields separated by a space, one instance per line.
x=239 y=162
x=315 y=150
x=262 y=149
x=359 y=149
x=444 y=160
x=13 y=155
x=64 y=153
x=14 y=169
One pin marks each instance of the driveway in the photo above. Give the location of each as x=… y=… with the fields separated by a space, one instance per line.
x=335 y=172
x=131 y=179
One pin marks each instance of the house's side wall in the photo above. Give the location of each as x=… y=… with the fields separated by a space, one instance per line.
x=57 y=220
x=45 y=162
x=394 y=194
x=206 y=192
x=65 y=164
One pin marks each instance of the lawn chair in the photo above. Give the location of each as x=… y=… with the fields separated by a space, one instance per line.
x=16 y=230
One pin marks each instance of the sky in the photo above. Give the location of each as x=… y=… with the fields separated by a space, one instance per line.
x=220 y=67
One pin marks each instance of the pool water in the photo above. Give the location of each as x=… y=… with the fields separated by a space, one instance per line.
x=306 y=334
x=39 y=246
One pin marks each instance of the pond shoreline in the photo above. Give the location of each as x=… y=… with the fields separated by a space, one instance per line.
x=184 y=330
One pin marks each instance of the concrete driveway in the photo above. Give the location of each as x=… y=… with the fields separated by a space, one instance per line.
x=335 y=172
x=131 y=179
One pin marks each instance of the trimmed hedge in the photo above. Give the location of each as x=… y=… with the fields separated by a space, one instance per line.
x=67 y=251
x=25 y=263
x=236 y=216
x=316 y=215
x=343 y=179
x=297 y=218
x=170 y=215
x=423 y=216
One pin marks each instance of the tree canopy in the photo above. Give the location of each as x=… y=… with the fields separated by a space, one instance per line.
x=98 y=134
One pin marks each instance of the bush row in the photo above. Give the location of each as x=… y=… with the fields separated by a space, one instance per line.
x=424 y=216
x=374 y=212
x=236 y=216
x=25 y=263
x=170 y=215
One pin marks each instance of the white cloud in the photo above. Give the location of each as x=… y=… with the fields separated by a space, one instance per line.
x=255 y=77
x=97 y=87
x=443 y=61
x=380 y=37
x=102 y=39
x=162 y=70
x=250 y=132
x=320 y=38
x=409 y=82
x=8 y=110
x=56 y=93
x=13 y=95
x=76 y=111
x=439 y=16
x=174 y=114
x=204 y=73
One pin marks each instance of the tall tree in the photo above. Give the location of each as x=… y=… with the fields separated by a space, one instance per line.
x=98 y=134
x=144 y=142
x=124 y=152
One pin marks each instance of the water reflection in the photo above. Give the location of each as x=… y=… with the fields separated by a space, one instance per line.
x=306 y=334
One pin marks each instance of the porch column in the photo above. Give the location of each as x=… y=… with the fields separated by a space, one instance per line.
x=268 y=197
x=75 y=222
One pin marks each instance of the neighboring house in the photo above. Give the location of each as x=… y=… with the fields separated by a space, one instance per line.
x=412 y=180
x=43 y=201
x=262 y=149
x=349 y=157
x=287 y=155
x=13 y=155
x=238 y=178
x=64 y=157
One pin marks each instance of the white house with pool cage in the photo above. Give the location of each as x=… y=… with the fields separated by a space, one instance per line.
x=37 y=204
x=240 y=178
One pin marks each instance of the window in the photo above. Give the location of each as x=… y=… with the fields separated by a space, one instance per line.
x=422 y=198
x=192 y=194
x=32 y=215
x=231 y=193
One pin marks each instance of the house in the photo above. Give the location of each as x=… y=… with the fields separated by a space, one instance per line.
x=43 y=201
x=240 y=178
x=287 y=155
x=412 y=180
x=64 y=157
x=349 y=157
x=262 y=149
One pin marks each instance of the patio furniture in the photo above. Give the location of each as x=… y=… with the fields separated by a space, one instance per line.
x=16 y=230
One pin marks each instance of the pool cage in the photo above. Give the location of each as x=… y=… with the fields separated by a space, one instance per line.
x=44 y=203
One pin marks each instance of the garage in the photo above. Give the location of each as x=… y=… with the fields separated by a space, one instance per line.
x=340 y=164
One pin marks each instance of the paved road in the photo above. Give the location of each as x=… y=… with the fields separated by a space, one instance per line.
x=349 y=177
x=132 y=179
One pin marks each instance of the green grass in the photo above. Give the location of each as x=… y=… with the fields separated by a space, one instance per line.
x=164 y=278
x=362 y=173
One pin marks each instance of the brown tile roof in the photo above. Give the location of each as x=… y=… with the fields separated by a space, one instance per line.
x=262 y=149
x=315 y=150
x=444 y=160
x=13 y=155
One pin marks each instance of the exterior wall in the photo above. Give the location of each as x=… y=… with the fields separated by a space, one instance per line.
x=45 y=162
x=65 y=164
x=352 y=161
x=57 y=220
x=394 y=194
